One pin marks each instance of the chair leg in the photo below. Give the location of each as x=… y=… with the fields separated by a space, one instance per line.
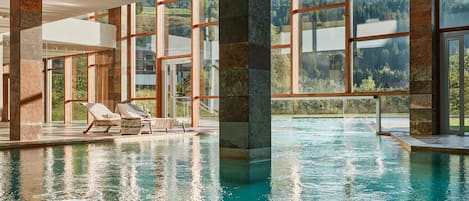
x=183 y=127
x=89 y=127
x=107 y=129
x=149 y=126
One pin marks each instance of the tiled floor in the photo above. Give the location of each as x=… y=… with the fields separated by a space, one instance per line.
x=441 y=143
x=59 y=134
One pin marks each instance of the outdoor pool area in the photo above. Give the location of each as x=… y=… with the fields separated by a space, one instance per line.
x=312 y=159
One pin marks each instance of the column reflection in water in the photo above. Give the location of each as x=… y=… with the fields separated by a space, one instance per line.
x=128 y=177
x=5 y=174
x=91 y=170
x=196 y=186
x=287 y=184
x=161 y=162
x=31 y=171
x=211 y=170
x=458 y=177
x=68 y=171
x=249 y=181
x=14 y=173
x=429 y=176
x=150 y=170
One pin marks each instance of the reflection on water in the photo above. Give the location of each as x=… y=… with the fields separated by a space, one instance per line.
x=320 y=161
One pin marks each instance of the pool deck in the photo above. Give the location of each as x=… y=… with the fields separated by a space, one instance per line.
x=452 y=144
x=60 y=134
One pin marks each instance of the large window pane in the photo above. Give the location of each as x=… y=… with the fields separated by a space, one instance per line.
x=80 y=78
x=145 y=68
x=280 y=22
x=454 y=13
x=381 y=65
x=58 y=94
x=311 y=3
x=79 y=113
x=323 y=51
x=210 y=10
x=79 y=87
x=281 y=71
x=395 y=113
x=209 y=112
x=209 y=61
x=454 y=80
x=178 y=26
x=380 y=17
x=145 y=16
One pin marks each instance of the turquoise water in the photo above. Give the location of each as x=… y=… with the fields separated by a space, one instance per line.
x=312 y=159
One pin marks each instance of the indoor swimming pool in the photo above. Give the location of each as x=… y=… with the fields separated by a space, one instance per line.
x=312 y=159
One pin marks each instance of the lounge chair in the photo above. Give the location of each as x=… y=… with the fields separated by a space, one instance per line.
x=134 y=111
x=102 y=116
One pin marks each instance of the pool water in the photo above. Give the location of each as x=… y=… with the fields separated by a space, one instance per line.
x=312 y=159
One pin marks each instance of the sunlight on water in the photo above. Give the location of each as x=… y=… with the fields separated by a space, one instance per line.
x=313 y=159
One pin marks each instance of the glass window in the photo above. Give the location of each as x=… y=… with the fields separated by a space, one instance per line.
x=80 y=78
x=380 y=17
x=145 y=19
x=280 y=17
x=281 y=71
x=145 y=68
x=178 y=26
x=79 y=87
x=454 y=13
x=323 y=51
x=381 y=65
x=210 y=10
x=209 y=112
x=148 y=105
x=360 y=108
x=101 y=12
x=308 y=108
x=79 y=113
x=395 y=113
x=103 y=19
x=209 y=61
x=311 y=3
x=58 y=92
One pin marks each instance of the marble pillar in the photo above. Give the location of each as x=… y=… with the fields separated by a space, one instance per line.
x=423 y=90
x=245 y=96
x=26 y=69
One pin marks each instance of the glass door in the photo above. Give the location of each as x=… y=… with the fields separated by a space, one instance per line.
x=177 y=89
x=454 y=82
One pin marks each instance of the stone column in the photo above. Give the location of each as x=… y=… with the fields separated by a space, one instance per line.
x=197 y=65
x=68 y=89
x=115 y=85
x=245 y=111
x=423 y=97
x=26 y=69
x=91 y=82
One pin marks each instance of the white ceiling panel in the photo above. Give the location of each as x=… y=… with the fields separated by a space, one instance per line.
x=54 y=10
